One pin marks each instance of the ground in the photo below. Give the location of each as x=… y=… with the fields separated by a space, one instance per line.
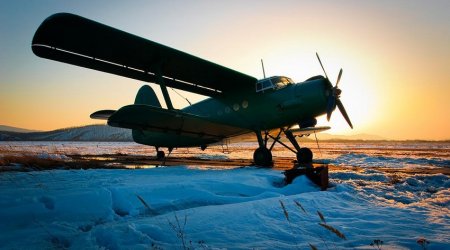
x=229 y=206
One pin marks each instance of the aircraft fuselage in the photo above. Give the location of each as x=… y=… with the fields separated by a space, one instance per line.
x=249 y=110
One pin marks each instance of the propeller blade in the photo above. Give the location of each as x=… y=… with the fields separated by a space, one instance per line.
x=331 y=105
x=343 y=112
x=321 y=65
x=339 y=78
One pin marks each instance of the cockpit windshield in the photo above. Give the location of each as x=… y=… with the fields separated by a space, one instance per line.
x=274 y=83
x=281 y=81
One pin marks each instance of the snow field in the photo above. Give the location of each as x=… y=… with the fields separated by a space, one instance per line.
x=238 y=208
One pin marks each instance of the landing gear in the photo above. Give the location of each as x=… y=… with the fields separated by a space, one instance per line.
x=304 y=155
x=262 y=157
x=160 y=154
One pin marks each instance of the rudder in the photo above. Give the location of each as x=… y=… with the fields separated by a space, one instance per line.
x=147 y=96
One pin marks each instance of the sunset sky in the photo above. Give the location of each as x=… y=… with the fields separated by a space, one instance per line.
x=395 y=56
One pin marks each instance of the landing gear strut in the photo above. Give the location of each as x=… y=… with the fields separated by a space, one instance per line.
x=160 y=154
x=304 y=155
x=263 y=155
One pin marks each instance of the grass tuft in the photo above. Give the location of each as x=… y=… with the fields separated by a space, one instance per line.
x=395 y=179
x=150 y=210
x=180 y=230
x=31 y=161
x=333 y=230
x=300 y=206
x=286 y=214
x=378 y=244
x=322 y=218
x=423 y=243
x=313 y=247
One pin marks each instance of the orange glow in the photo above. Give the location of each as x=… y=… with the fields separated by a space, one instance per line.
x=395 y=60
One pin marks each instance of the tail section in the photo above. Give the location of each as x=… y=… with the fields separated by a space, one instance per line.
x=146 y=95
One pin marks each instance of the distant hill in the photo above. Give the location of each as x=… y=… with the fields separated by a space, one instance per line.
x=108 y=133
x=320 y=136
x=358 y=137
x=85 y=133
x=14 y=129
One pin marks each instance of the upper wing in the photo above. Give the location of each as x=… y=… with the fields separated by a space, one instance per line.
x=145 y=117
x=76 y=40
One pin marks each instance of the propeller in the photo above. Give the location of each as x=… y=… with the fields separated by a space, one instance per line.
x=334 y=95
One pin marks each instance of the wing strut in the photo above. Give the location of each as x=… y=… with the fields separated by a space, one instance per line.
x=160 y=81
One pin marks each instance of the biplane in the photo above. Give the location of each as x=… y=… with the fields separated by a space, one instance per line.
x=238 y=103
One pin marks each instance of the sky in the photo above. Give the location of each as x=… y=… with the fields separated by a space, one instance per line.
x=395 y=57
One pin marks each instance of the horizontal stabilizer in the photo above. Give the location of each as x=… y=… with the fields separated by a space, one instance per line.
x=102 y=114
x=309 y=130
x=150 y=118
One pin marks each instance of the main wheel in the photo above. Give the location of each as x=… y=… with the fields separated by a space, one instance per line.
x=262 y=157
x=305 y=155
x=160 y=155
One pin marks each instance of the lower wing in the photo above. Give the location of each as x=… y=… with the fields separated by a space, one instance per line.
x=150 y=118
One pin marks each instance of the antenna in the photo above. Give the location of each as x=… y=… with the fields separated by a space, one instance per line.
x=264 y=72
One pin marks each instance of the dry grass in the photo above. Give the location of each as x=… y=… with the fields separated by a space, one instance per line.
x=180 y=230
x=423 y=243
x=298 y=204
x=395 y=179
x=333 y=230
x=322 y=224
x=322 y=218
x=378 y=244
x=313 y=247
x=150 y=210
x=31 y=161
x=143 y=202
x=286 y=214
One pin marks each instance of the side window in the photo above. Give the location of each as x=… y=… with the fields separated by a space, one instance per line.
x=267 y=84
x=264 y=85
x=258 y=87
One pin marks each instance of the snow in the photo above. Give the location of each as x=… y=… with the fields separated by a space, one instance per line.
x=237 y=208
x=228 y=207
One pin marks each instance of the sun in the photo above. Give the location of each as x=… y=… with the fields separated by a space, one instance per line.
x=359 y=96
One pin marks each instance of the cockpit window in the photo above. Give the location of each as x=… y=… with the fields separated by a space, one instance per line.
x=281 y=81
x=275 y=82
x=264 y=85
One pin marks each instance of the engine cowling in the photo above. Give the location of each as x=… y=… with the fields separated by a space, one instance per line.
x=307 y=123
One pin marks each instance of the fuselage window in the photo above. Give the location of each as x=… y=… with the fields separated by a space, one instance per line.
x=258 y=87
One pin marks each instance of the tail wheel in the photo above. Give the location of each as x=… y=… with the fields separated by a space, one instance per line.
x=160 y=155
x=262 y=157
x=304 y=155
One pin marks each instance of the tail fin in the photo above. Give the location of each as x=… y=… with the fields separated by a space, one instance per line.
x=146 y=95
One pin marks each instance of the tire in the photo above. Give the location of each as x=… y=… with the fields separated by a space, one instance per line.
x=305 y=155
x=160 y=155
x=262 y=157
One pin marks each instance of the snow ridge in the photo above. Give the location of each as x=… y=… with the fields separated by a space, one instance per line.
x=86 y=133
